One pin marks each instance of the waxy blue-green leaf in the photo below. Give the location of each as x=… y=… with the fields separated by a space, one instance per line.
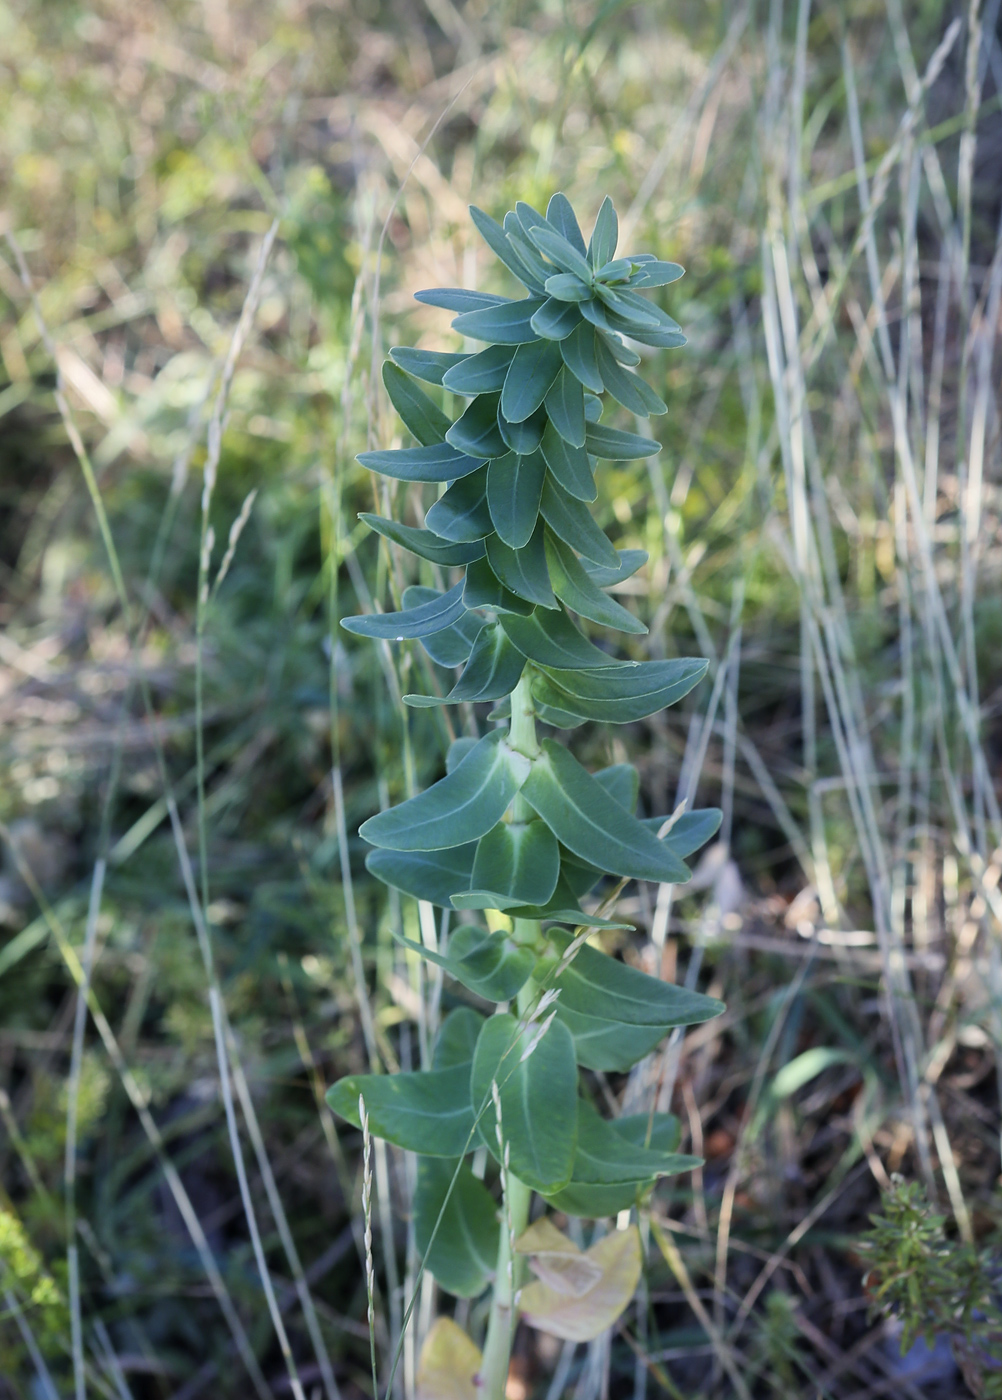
x=623 y=697
x=621 y=353
x=458 y=750
x=689 y=831
x=461 y=514
x=459 y=299
x=621 y=781
x=452 y=645
x=656 y=274
x=530 y=374
x=527 y=216
x=463 y=1253
x=456 y=1041
x=628 y=389
x=538 y=1099
x=605 y=235
x=429 y=365
x=476 y=431
x=560 y=214
x=578 y=351
x=562 y=908
x=590 y=824
x=502 y=325
x=425 y=543
x=524 y=570
x=432 y=616
x=569 y=465
x=439 y=462
x=605 y=1045
x=596 y=985
x=491 y=965
x=493 y=670
x=500 y=244
x=551 y=639
x=629 y=304
x=660 y=1135
x=483 y=373
x=574 y=523
x=628 y=561
x=616 y=446
x=520 y=860
x=434 y=876
x=429 y=1112
x=460 y=807
x=514 y=487
x=565 y=407
x=556 y=247
x=606 y=1157
x=660 y=339
x=619 y=270
x=575 y=589
x=485 y=590
x=566 y=287
x=615 y=299
x=423 y=417
x=525 y=437
x=556 y=319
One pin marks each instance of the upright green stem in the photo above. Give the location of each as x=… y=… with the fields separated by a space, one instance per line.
x=517 y=1196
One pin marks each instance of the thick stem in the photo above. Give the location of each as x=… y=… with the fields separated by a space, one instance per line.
x=515 y=1217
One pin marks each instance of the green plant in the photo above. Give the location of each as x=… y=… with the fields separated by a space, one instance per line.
x=517 y=828
x=935 y=1286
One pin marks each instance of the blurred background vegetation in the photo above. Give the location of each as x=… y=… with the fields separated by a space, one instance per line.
x=214 y=216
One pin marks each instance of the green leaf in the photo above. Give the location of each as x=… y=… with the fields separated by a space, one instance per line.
x=523 y=438
x=477 y=431
x=514 y=487
x=520 y=860
x=452 y=645
x=424 y=419
x=464 y=1252
x=532 y=371
x=461 y=513
x=574 y=587
x=429 y=365
x=656 y=274
x=578 y=351
x=642 y=316
x=621 y=353
x=689 y=831
x=429 y=1111
x=565 y=408
x=458 y=750
x=603 y=1044
x=605 y=236
x=597 y=985
x=494 y=670
x=485 y=590
x=615 y=446
x=606 y=1158
x=660 y=1132
x=527 y=216
x=483 y=373
x=440 y=462
x=566 y=287
x=573 y=522
x=459 y=299
x=661 y=339
x=424 y=543
x=556 y=247
x=551 y=639
x=622 y=782
x=434 y=876
x=499 y=243
x=624 y=697
x=523 y=571
x=590 y=824
x=569 y=465
x=528 y=252
x=556 y=319
x=491 y=965
x=628 y=561
x=538 y=1099
x=460 y=807
x=427 y=617
x=562 y=908
x=628 y=389
x=501 y=325
x=619 y=270
x=457 y=1041
x=560 y=214
x=630 y=304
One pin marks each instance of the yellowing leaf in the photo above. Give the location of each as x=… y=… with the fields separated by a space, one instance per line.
x=557 y=1260
x=582 y=1319
x=448 y=1365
